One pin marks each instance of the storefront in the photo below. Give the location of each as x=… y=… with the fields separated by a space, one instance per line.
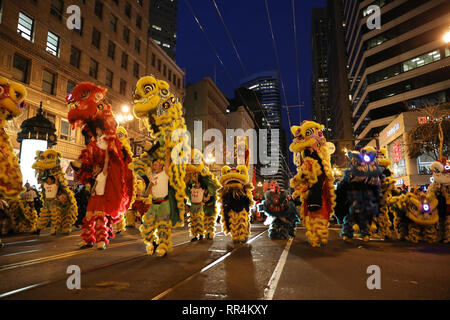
x=408 y=171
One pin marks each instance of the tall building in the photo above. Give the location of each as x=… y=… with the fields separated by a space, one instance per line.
x=403 y=64
x=206 y=103
x=112 y=49
x=267 y=85
x=319 y=44
x=163 y=24
x=340 y=127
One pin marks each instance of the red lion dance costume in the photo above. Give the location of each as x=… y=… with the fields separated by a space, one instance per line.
x=90 y=111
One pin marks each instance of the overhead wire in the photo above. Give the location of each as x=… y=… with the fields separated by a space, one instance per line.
x=229 y=75
x=296 y=60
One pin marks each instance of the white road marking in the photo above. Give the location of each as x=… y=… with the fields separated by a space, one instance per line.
x=273 y=282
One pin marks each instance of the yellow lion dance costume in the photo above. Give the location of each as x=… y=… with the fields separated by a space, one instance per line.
x=12 y=96
x=61 y=210
x=162 y=115
x=201 y=187
x=313 y=182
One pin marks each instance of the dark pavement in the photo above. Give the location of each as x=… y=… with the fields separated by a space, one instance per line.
x=216 y=270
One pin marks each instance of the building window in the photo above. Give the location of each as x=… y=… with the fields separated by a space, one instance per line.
x=98 y=9
x=25 y=26
x=154 y=26
x=113 y=23
x=158 y=42
x=111 y=49
x=124 y=60
x=80 y=31
x=424 y=162
x=56 y=8
x=21 y=68
x=421 y=60
x=75 y=55
x=174 y=79
x=96 y=38
x=178 y=83
x=170 y=75
x=137 y=45
x=164 y=70
x=123 y=87
x=139 y=21
x=166 y=45
x=153 y=59
x=52 y=44
x=136 y=69
x=48 y=82
x=109 y=78
x=140 y=2
x=159 y=65
x=128 y=9
x=66 y=132
x=126 y=34
x=50 y=116
x=70 y=86
x=93 y=68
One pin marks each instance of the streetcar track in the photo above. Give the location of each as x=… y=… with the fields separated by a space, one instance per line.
x=33 y=286
x=207 y=267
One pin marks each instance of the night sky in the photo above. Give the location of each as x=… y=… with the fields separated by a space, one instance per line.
x=248 y=25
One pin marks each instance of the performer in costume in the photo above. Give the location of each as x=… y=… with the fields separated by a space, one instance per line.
x=91 y=112
x=142 y=201
x=156 y=229
x=313 y=183
x=162 y=115
x=201 y=188
x=416 y=217
x=59 y=204
x=129 y=174
x=281 y=211
x=359 y=193
x=440 y=189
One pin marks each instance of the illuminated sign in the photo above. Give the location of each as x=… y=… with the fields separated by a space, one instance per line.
x=422 y=120
x=393 y=130
x=397 y=150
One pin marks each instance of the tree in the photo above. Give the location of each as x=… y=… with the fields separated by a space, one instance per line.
x=430 y=136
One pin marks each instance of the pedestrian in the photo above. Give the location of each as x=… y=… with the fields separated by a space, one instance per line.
x=28 y=196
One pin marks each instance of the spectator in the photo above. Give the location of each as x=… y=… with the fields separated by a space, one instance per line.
x=28 y=196
x=37 y=200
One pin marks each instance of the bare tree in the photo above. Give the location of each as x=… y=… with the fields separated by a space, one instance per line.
x=430 y=137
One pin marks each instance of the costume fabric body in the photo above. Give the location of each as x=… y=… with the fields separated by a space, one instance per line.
x=59 y=204
x=440 y=188
x=12 y=96
x=235 y=197
x=162 y=115
x=313 y=183
x=382 y=221
x=90 y=111
x=201 y=188
x=130 y=177
x=20 y=217
x=416 y=217
x=282 y=212
x=359 y=193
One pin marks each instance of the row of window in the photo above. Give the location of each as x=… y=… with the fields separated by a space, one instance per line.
x=172 y=77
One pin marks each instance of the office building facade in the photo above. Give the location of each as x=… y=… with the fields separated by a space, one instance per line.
x=163 y=25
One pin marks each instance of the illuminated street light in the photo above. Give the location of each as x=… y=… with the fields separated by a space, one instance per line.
x=447 y=37
x=125 y=109
x=210 y=159
x=259 y=184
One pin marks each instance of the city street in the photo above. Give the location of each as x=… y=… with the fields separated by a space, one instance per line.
x=35 y=267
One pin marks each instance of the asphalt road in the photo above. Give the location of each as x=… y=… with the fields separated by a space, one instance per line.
x=35 y=267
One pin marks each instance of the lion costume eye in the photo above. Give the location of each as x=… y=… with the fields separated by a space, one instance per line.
x=2 y=90
x=309 y=132
x=226 y=170
x=85 y=94
x=149 y=88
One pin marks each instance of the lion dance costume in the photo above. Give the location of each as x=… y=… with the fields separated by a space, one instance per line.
x=313 y=182
x=91 y=112
x=416 y=217
x=201 y=188
x=142 y=201
x=162 y=115
x=359 y=193
x=381 y=223
x=61 y=208
x=12 y=96
x=440 y=188
x=281 y=210
x=16 y=216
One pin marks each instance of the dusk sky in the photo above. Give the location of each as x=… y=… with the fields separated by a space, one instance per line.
x=248 y=24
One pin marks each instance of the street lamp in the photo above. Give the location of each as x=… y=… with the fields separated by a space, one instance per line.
x=259 y=184
x=37 y=134
x=447 y=37
x=125 y=115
